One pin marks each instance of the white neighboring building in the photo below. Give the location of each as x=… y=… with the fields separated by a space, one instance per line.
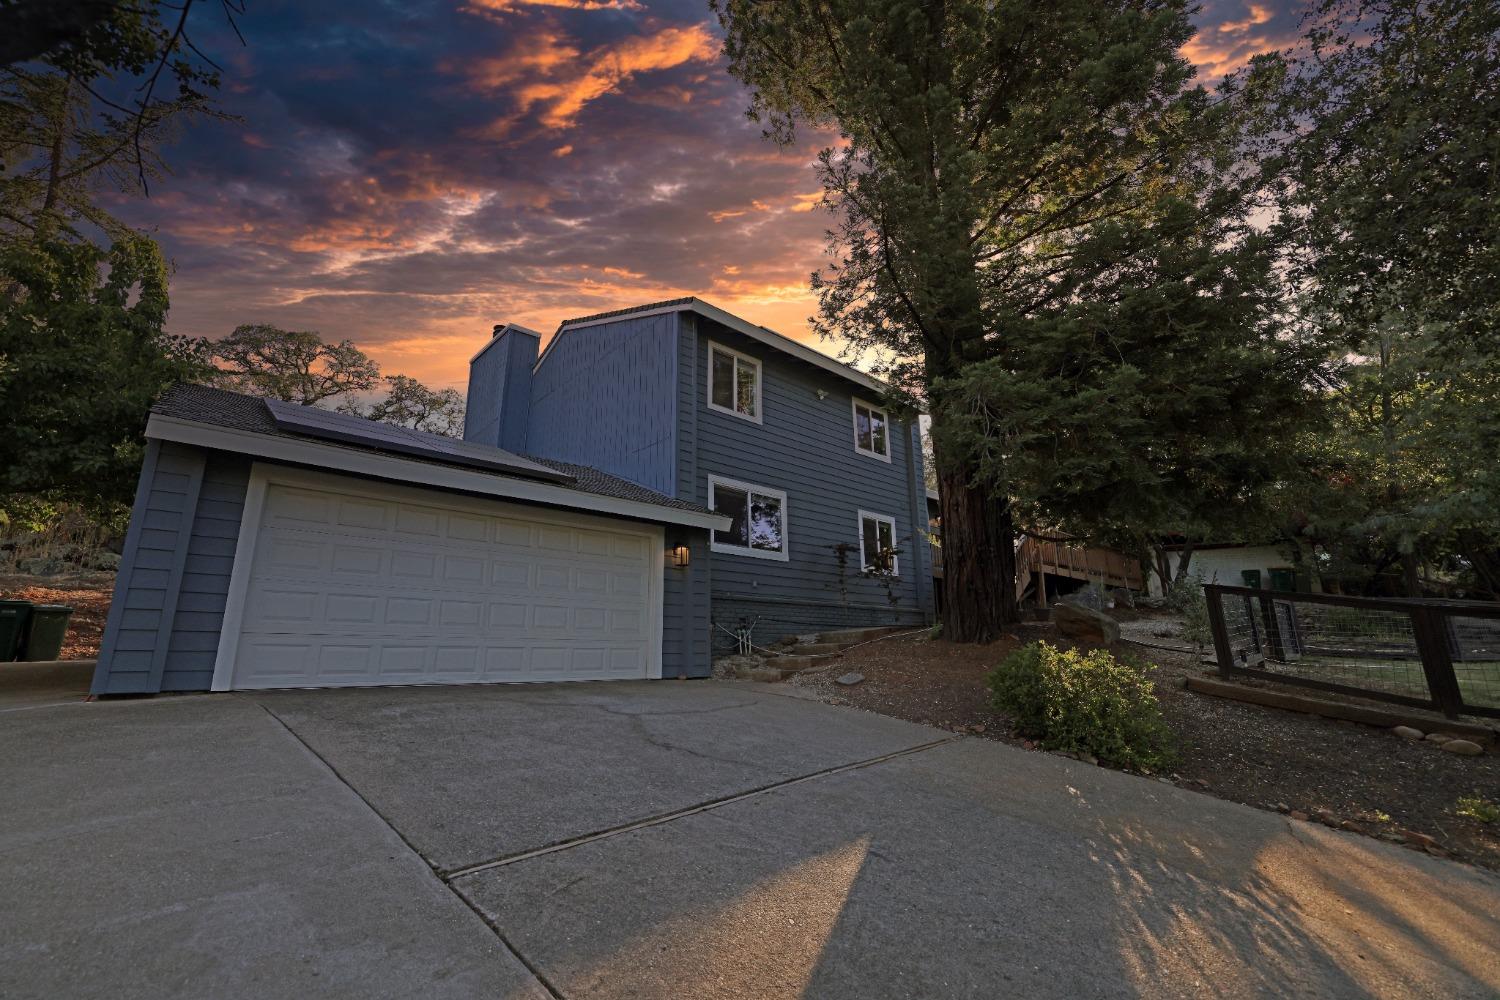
x=1225 y=564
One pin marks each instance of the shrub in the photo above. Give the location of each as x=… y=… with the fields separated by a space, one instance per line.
x=1083 y=702
x=1477 y=807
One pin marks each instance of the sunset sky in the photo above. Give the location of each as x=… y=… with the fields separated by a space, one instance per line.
x=408 y=174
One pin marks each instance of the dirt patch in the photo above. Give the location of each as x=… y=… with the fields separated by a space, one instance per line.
x=88 y=596
x=1371 y=779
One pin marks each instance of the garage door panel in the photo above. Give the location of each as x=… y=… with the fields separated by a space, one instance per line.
x=355 y=589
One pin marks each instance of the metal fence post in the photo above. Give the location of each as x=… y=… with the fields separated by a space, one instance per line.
x=1215 y=602
x=1429 y=629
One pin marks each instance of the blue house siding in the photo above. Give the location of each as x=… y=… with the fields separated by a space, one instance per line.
x=498 y=409
x=162 y=631
x=168 y=608
x=685 y=613
x=604 y=396
x=804 y=447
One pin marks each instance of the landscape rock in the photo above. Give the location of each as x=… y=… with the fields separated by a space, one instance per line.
x=1088 y=758
x=1085 y=623
x=1440 y=737
x=1326 y=817
x=1352 y=826
x=1467 y=748
x=1407 y=732
x=850 y=679
x=732 y=667
x=1298 y=814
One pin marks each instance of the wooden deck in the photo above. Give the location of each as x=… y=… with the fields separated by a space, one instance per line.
x=1038 y=556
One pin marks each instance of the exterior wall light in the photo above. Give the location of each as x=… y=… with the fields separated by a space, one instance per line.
x=680 y=556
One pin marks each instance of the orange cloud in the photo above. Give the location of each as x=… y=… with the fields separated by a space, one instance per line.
x=562 y=85
x=490 y=7
x=562 y=151
x=806 y=202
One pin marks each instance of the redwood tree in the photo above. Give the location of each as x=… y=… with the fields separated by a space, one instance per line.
x=991 y=157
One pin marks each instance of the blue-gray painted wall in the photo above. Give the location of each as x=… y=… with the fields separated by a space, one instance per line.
x=604 y=396
x=630 y=397
x=497 y=411
x=163 y=629
x=162 y=633
x=804 y=447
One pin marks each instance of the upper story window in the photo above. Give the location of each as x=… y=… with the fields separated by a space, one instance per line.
x=758 y=517
x=871 y=431
x=733 y=382
x=877 y=544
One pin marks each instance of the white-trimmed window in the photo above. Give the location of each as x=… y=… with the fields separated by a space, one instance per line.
x=733 y=382
x=877 y=544
x=757 y=515
x=872 y=431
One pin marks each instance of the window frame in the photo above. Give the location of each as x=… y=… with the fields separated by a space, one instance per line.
x=864 y=563
x=739 y=358
x=854 y=404
x=714 y=545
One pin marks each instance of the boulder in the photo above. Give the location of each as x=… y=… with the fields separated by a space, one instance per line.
x=1407 y=732
x=850 y=679
x=1467 y=748
x=1085 y=623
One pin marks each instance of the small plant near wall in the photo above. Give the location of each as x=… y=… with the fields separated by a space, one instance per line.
x=1083 y=702
x=1187 y=599
x=1477 y=807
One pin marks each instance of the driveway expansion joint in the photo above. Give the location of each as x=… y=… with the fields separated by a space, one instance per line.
x=505 y=942
x=676 y=814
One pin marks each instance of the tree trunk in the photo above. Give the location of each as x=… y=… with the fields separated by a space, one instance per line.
x=1184 y=558
x=1411 y=580
x=979 y=559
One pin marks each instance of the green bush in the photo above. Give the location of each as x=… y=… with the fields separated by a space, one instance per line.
x=1083 y=702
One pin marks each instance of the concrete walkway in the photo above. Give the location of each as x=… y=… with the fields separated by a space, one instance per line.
x=675 y=840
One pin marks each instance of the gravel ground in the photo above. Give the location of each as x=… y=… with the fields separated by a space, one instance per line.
x=1364 y=778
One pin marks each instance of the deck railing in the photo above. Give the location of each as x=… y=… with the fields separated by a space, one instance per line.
x=1435 y=654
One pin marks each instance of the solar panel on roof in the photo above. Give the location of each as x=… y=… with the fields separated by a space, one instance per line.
x=313 y=422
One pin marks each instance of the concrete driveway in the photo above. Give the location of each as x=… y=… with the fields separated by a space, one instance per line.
x=675 y=840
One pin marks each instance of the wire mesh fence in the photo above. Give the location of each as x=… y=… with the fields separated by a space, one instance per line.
x=1437 y=654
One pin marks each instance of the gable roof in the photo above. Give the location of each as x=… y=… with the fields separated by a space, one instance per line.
x=249 y=423
x=766 y=336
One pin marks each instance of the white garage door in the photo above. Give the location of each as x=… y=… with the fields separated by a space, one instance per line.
x=358 y=584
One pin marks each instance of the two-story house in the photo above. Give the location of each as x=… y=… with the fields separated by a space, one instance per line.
x=658 y=482
x=823 y=485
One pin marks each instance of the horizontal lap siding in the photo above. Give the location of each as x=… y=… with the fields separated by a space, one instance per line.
x=804 y=447
x=204 y=586
x=604 y=397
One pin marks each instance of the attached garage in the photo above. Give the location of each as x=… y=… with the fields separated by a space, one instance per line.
x=353 y=583
x=355 y=566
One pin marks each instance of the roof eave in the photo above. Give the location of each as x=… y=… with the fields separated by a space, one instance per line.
x=393 y=468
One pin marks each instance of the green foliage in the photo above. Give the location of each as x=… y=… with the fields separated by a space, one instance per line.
x=83 y=354
x=1478 y=808
x=1391 y=197
x=292 y=365
x=1187 y=598
x=92 y=114
x=1043 y=231
x=1083 y=702
x=409 y=403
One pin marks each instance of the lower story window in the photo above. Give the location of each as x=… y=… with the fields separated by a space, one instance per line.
x=877 y=544
x=757 y=519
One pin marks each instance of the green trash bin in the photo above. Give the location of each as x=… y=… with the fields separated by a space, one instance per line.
x=1250 y=578
x=45 y=632
x=13 y=618
x=1283 y=578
